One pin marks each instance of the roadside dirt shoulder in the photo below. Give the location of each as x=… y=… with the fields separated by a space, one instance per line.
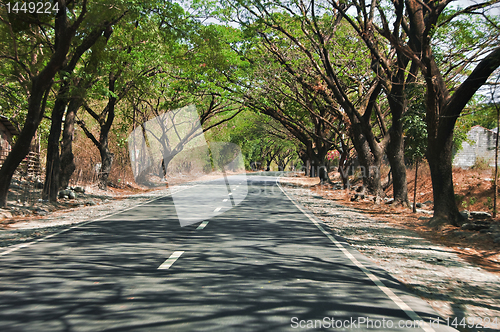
x=23 y=230
x=454 y=287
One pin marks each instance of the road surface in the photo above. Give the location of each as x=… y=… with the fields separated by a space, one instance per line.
x=262 y=265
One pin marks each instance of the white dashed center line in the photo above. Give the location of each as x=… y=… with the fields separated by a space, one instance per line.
x=202 y=225
x=217 y=209
x=224 y=200
x=171 y=260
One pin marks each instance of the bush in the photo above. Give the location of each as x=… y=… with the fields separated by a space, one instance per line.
x=481 y=164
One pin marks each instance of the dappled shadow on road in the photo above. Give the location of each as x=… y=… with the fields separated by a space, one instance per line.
x=431 y=271
x=248 y=270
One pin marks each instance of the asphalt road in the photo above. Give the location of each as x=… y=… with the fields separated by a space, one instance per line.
x=262 y=265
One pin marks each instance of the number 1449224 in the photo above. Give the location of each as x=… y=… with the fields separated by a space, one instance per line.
x=32 y=7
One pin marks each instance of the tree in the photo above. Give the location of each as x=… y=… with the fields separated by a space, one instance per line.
x=293 y=43
x=415 y=130
x=395 y=71
x=52 y=181
x=105 y=119
x=319 y=38
x=84 y=81
x=39 y=73
x=444 y=103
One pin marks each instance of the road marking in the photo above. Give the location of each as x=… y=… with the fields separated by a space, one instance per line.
x=217 y=209
x=230 y=193
x=171 y=260
x=224 y=200
x=202 y=225
x=400 y=303
x=24 y=245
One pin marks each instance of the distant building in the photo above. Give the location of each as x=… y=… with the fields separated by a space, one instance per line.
x=483 y=147
x=7 y=132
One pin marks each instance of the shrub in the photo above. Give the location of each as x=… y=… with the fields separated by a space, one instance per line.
x=481 y=164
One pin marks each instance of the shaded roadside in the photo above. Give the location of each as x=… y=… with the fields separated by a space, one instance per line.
x=454 y=287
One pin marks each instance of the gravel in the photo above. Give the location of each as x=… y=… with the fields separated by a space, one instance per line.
x=34 y=228
x=452 y=286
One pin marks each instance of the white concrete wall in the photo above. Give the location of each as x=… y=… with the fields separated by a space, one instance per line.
x=483 y=147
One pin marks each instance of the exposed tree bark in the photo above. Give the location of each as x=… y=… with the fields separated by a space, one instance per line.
x=67 y=158
x=415 y=188
x=370 y=160
x=442 y=113
x=398 y=105
x=343 y=168
x=107 y=158
x=495 y=183
x=370 y=152
x=51 y=185
x=439 y=157
x=105 y=120
x=40 y=86
x=52 y=176
x=67 y=164
x=395 y=146
x=440 y=144
x=304 y=158
x=389 y=181
x=442 y=109
x=394 y=81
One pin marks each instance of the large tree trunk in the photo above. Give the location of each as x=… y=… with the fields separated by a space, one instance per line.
x=51 y=186
x=106 y=155
x=439 y=156
x=67 y=164
x=165 y=162
x=36 y=107
x=40 y=86
x=67 y=158
x=319 y=166
x=442 y=109
x=343 y=168
x=106 y=162
x=441 y=114
x=395 y=154
x=323 y=172
x=370 y=159
x=395 y=147
x=439 y=151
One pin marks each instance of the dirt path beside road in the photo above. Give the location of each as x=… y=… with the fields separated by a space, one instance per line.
x=454 y=287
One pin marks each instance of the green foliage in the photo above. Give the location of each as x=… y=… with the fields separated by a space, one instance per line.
x=168 y=58
x=258 y=136
x=414 y=125
x=464 y=36
x=489 y=203
x=478 y=113
x=468 y=203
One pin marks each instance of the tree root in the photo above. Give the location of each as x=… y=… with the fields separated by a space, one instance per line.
x=439 y=221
